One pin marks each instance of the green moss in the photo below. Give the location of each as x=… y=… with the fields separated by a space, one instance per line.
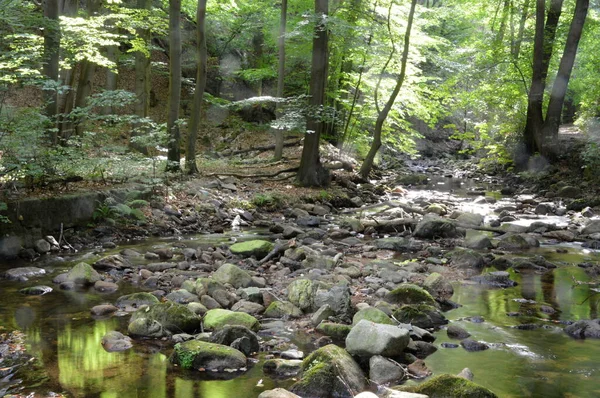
x=196 y=354
x=217 y=318
x=336 y=331
x=177 y=318
x=372 y=314
x=448 y=386
x=258 y=248
x=279 y=309
x=185 y=358
x=407 y=293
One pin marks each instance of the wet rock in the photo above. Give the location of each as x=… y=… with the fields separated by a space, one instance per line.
x=437 y=208
x=182 y=296
x=282 y=309
x=136 y=300
x=83 y=274
x=42 y=246
x=591 y=227
x=374 y=315
x=106 y=287
x=151 y=256
x=336 y=331
x=114 y=261
x=431 y=227
x=292 y=354
x=472 y=345
x=478 y=242
x=420 y=349
x=231 y=334
x=282 y=367
x=438 y=286
x=470 y=219
x=543 y=209
x=36 y=290
x=587 y=212
x=209 y=302
x=513 y=242
x=174 y=317
x=257 y=248
x=419 y=369
x=232 y=274
x=23 y=273
x=421 y=315
x=456 y=332
x=301 y=293
x=248 y=307
x=501 y=263
x=158 y=267
x=310 y=221
x=496 y=279
x=407 y=293
x=466 y=374
x=103 y=310
x=569 y=192
x=200 y=355
x=466 y=258
x=586 y=329
x=446 y=385
x=219 y=318
x=337 y=297
x=145 y=327
x=278 y=393
x=402 y=245
x=449 y=345
x=114 y=341
x=383 y=371
x=563 y=236
x=329 y=372
x=367 y=339
x=322 y=314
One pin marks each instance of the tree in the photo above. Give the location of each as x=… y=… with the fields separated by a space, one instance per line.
x=51 y=67
x=174 y=151
x=142 y=65
x=384 y=112
x=541 y=133
x=202 y=57
x=311 y=172
x=280 y=78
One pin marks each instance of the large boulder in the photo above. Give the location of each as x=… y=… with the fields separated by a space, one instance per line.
x=421 y=315
x=200 y=355
x=407 y=293
x=592 y=227
x=431 y=227
x=83 y=274
x=136 y=300
x=372 y=314
x=218 y=318
x=466 y=258
x=301 y=293
x=446 y=386
x=329 y=372
x=584 y=329
x=23 y=273
x=176 y=318
x=368 y=338
x=258 y=248
x=235 y=276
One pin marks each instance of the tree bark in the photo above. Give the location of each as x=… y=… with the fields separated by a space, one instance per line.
x=51 y=68
x=559 y=89
x=202 y=57
x=519 y=40
x=279 y=136
x=142 y=79
x=111 y=77
x=311 y=172
x=174 y=151
x=383 y=114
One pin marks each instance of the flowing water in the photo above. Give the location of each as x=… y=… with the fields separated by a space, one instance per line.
x=544 y=362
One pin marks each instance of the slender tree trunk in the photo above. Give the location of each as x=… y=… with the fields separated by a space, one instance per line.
x=559 y=89
x=174 y=151
x=51 y=69
x=383 y=114
x=519 y=40
x=111 y=77
x=311 y=172
x=142 y=79
x=279 y=138
x=190 y=155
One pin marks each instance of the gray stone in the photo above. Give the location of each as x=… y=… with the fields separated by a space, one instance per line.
x=182 y=296
x=338 y=298
x=301 y=293
x=199 y=355
x=466 y=258
x=278 y=393
x=478 y=242
x=496 y=279
x=42 y=246
x=466 y=374
x=383 y=371
x=569 y=192
x=176 y=318
x=114 y=341
x=431 y=227
x=232 y=274
x=372 y=314
x=513 y=242
x=228 y=335
x=472 y=345
x=438 y=286
x=114 y=261
x=248 y=307
x=36 y=290
x=456 y=332
x=136 y=300
x=282 y=309
x=282 y=368
x=322 y=314
x=145 y=327
x=402 y=245
x=83 y=274
x=591 y=227
x=470 y=219
x=106 y=287
x=584 y=329
x=23 y=273
x=367 y=339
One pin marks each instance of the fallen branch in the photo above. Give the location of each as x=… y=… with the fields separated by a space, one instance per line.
x=278 y=250
x=389 y=225
x=261 y=148
x=237 y=175
x=389 y=203
x=478 y=228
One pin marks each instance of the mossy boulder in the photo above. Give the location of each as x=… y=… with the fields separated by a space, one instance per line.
x=83 y=274
x=448 y=386
x=218 y=318
x=407 y=293
x=329 y=372
x=514 y=242
x=367 y=339
x=437 y=208
x=336 y=331
x=438 y=286
x=282 y=367
x=433 y=226
x=200 y=355
x=145 y=327
x=372 y=314
x=301 y=293
x=466 y=258
x=136 y=300
x=258 y=248
x=282 y=309
x=421 y=315
x=208 y=286
x=232 y=274
x=176 y=318
x=412 y=179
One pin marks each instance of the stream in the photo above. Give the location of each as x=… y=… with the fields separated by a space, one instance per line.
x=64 y=339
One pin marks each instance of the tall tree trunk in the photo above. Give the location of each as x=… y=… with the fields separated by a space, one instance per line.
x=51 y=55
x=174 y=151
x=202 y=56
x=383 y=114
x=519 y=40
x=311 y=172
x=142 y=79
x=111 y=77
x=68 y=8
x=559 y=89
x=280 y=79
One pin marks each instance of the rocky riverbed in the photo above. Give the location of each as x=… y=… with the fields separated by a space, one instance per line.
x=333 y=298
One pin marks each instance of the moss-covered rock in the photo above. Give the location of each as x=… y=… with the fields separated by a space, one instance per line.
x=83 y=274
x=336 y=331
x=513 y=242
x=282 y=367
x=208 y=286
x=372 y=314
x=218 y=318
x=136 y=300
x=200 y=355
x=232 y=274
x=176 y=318
x=438 y=286
x=282 y=309
x=407 y=293
x=466 y=258
x=301 y=293
x=329 y=372
x=432 y=226
x=258 y=248
x=421 y=315
x=412 y=179
x=448 y=386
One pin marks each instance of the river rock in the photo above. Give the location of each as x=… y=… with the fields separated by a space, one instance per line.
x=232 y=274
x=232 y=335
x=322 y=314
x=421 y=315
x=83 y=274
x=563 y=235
x=431 y=227
x=176 y=318
x=445 y=386
x=407 y=293
x=278 y=393
x=466 y=258
x=42 y=246
x=514 y=242
x=23 y=273
x=182 y=296
x=103 y=309
x=248 y=307
x=372 y=314
x=569 y=192
x=136 y=300
x=145 y=327
x=382 y=370
x=438 y=286
x=337 y=331
x=114 y=261
x=200 y=355
x=472 y=345
x=437 y=208
x=456 y=332
x=282 y=309
x=219 y=318
x=368 y=338
x=591 y=227
x=399 y=244
x=106 y=286
x=496 y=279
x=337 y=297
x=329 y=372
x=114 y=341
x=470 y=219
x=585 y=329
x=301 y=293
x=36 y=290
x=478 y=242
x=420 y=349
x=258 y=248
x=282 y=367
